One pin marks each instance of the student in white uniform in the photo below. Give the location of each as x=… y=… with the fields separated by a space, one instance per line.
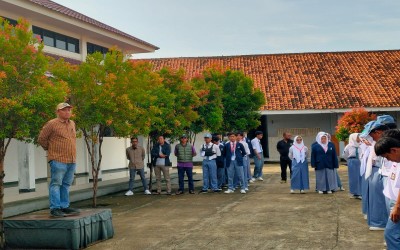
x=389 y=147
x=352 y=154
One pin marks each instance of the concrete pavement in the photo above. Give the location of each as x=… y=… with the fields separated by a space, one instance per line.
x=267 y=217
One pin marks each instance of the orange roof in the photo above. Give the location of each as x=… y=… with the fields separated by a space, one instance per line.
x=326 y=80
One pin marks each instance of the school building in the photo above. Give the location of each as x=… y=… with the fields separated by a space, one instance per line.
x=308 y=92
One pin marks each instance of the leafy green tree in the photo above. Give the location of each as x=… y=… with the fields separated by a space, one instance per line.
x=27 y=96
x=241 y=101
x=177 y=102
x=210 y=109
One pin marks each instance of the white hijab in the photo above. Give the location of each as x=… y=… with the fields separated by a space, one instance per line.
x=299 y=151
x=353 y=146
x=318 y=139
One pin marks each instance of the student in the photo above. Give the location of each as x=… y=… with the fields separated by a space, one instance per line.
x=233 y=153
x=220 y=163
x=209 y=151
x=352 y=154
x=298 y=154
x=365 y=150
x=324 y=161
x=246 y=159
x=389 y=147
x=258 y=157
x=376 y=212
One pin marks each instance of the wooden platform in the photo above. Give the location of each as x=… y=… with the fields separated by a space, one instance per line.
x=40 y=231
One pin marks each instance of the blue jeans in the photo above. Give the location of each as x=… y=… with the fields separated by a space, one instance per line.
x=209 y=174
x=392 y=232
x=221 y=177
x=232 y=169
x=132 y=173
x=181 y=176
x=258 y=166
x=62 y=176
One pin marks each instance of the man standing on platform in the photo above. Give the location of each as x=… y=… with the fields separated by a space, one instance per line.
x=58 y=138
x=283 y=149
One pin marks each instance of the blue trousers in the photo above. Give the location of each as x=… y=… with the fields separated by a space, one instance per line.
x=132 y=173
x=62 y=176
x=209 y=174
x=181 y=176
x=392 y=232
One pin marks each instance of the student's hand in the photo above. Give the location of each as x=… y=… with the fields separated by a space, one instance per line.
x=259 y=156
x=395 y=214
x=162 y=155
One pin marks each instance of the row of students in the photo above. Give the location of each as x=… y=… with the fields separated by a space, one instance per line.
x=374 y=177
x=229 y=163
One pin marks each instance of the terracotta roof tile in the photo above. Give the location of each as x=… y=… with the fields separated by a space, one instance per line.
x=76 y=15
x=328 y=80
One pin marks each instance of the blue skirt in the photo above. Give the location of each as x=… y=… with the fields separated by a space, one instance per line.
x=377 y=212
x=353 y=168
x=299 y=178
x=326 y=179
x=364 y=193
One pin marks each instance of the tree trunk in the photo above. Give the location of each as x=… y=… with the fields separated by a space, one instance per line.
x=2 y=238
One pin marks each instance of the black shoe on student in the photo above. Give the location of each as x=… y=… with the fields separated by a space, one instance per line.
x=70 y=211
x=203 y=191
x=57 y=213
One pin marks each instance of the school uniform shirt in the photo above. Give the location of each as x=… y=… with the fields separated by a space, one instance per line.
x=246 y=147
x=256 y=144
x=392 y=187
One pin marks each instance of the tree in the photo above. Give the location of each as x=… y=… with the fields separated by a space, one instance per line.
x=352 y=122
x=100 y=94
x=241 y=101
x=177 y=101
x=27 y=97
x=210 y=109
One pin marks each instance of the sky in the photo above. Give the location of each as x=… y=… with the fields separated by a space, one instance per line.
x=197 y=28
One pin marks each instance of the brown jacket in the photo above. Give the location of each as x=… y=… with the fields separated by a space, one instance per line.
x=136 y=157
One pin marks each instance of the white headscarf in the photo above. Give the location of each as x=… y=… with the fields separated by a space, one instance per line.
x=353 y=147
x=318 y=139
x=353 y=140
x=299 y=152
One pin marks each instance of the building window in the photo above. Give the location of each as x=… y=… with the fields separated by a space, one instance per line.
x=56 y=40
x=92 y=48
x=10 y=21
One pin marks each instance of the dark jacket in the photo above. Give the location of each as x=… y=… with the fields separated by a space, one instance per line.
x=155 y=151
x=250 y=147
x=321 y=160
x=220 y=159
x=239 y=152
x=283 y=148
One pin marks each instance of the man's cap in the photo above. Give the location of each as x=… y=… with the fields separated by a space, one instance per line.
x=207 y=135
x=385 y=119
x=183 y=136
x=369 y=127
x=63 y=105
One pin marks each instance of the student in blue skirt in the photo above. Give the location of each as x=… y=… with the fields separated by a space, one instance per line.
x=298 y=154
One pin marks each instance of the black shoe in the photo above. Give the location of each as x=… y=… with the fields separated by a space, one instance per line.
x=179 y=192
x=203 y=191
x=169 y=193
x=70 y=211
x=217 y=191
x=57 y=213
x=191 y=191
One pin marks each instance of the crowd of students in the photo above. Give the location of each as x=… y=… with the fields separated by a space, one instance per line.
x=372 y=157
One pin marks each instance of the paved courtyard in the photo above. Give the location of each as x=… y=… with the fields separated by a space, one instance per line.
x=267 y=217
